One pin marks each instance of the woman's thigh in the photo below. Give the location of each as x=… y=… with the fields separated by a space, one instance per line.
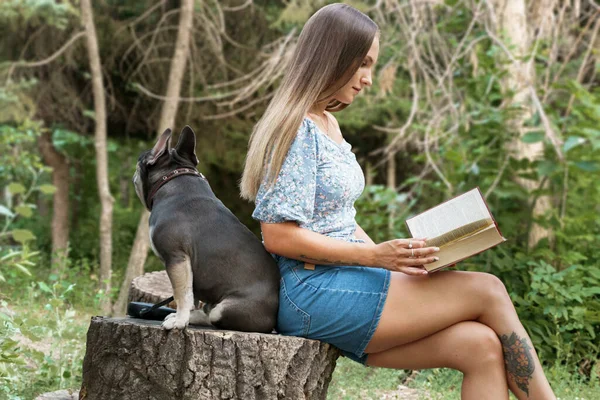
x=465 y=346
x=420 y=306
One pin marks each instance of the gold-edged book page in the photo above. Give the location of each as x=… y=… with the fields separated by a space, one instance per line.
x=466 y=247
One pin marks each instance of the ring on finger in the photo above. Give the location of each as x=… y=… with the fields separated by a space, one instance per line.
x=412 y=253
x=410 y=243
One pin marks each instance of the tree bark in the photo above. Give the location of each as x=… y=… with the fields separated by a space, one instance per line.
x=130 y=359
x=141 y=244
x=60 y=201
x=106 y=199
x=135 y=265
x=391 y=184
x=77 y=187
x=512 y=21
x=125 y=182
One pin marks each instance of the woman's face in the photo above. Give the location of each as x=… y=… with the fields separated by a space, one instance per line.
x=362 y=77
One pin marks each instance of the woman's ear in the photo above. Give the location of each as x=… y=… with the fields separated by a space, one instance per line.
x=160 y=147
x=186 y=145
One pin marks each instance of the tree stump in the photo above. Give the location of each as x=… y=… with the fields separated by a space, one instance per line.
x=152 y=287
x=131 y=359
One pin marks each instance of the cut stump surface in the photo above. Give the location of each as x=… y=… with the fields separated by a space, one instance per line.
x=130 y=359
x=152 y=287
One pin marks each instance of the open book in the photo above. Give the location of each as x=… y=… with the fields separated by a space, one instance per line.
x=461 y=227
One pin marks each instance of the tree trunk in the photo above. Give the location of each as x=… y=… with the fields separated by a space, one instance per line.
x=141 y=244
x=130 y=359
x=60 y=201
x=106 y=199
x=368 y=173
x=511 y=20
x=391 y=184
x=152 y=287
x=125 y=182
x=77 y=193
x=135 y=265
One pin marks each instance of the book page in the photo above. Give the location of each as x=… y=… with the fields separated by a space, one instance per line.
x=462 y=210
x=466 y=247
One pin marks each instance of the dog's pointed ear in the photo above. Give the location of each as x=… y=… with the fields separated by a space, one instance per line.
x=186 y=145
x=160 y=147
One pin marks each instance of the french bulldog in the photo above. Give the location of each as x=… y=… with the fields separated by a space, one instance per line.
x=208 y=253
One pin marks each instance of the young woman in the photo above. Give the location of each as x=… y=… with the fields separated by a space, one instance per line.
x=375 y=302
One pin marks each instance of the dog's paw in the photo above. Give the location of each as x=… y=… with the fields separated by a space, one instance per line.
x=170 y=316
x=172 y=322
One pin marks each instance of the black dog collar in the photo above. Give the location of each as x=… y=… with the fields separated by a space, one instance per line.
x=166 y=178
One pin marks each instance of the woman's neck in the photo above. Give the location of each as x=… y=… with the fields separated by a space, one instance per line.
x=318 y=109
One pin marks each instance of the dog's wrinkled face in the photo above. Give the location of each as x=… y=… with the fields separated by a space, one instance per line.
x=160 y=160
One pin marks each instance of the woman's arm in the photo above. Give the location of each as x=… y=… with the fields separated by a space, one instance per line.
x=289 y=240
x=361 y=234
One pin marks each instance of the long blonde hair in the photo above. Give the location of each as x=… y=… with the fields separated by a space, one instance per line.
x=329 y=51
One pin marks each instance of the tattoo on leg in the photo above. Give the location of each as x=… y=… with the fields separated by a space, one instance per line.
x=518 y=359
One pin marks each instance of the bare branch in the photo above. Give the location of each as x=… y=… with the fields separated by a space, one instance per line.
x=413 y=110
x=584 y=63
x=184 y=99
x=433 y=164
x=33 y=64
x=238 y=8
x=240 y=109
x=498 y=176
x=139 y=19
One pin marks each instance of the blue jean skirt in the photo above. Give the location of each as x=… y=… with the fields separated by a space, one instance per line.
x=339 y=305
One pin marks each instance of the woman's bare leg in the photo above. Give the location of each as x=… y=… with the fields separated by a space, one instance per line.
x=417 y=307
x=470 y=347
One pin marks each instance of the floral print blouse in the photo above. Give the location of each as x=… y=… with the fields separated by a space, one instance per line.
x=317 y=186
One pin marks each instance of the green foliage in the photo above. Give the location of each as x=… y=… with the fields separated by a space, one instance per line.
x=554 y=286
x=565 y=381
x=352 y=381
x=18 y=155
x=42 y=344
x=38 y=12
x=562 y=311
x=376 y=205
x=17 y=207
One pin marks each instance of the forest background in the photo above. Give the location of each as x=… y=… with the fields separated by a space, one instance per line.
x=500 y=94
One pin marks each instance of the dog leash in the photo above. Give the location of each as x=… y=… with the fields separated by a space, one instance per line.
x=166 y=178
x=154 y=307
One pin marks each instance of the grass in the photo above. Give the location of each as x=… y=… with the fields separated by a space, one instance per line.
x=44 y=321
x=352 y=381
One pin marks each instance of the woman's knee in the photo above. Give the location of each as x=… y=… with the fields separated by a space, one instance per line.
x=483 y=349
x=492 y=289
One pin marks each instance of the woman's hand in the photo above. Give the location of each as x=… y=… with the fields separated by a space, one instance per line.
x=396 y=255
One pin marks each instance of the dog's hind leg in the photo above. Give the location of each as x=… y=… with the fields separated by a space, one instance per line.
x=240 y=314
x=200 y=316
x=180 y=275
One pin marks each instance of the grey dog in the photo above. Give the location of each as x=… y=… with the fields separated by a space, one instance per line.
x=208 y=253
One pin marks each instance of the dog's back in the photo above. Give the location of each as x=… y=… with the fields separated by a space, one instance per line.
x=208 y=253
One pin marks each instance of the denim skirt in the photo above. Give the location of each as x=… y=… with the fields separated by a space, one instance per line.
x=337 y=304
